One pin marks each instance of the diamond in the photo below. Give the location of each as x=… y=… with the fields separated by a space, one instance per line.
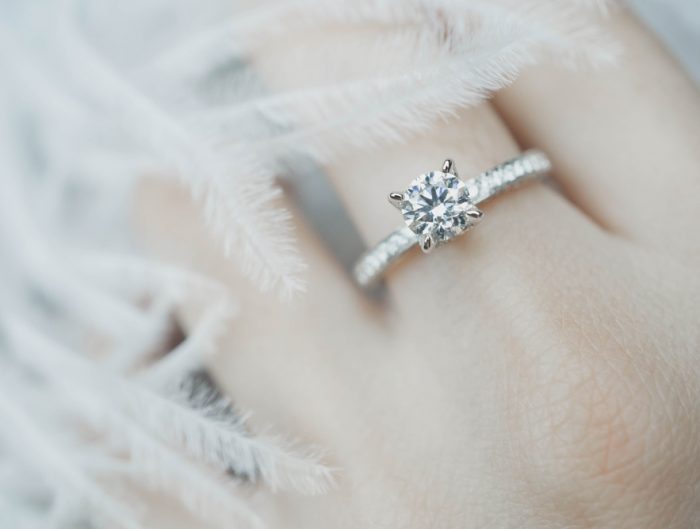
x=437 y=206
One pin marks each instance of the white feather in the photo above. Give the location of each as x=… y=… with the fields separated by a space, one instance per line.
x=44 y=452
x=205 y=432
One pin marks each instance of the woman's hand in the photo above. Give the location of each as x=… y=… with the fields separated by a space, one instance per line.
x=541 y=371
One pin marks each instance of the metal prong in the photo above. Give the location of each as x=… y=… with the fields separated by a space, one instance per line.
x=427 y=243
x=475 y=214
x=395 y=199
x=448 y=166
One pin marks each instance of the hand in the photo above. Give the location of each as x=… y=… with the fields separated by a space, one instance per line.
x=540 y=371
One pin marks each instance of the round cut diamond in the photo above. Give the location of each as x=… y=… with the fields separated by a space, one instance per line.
x=436 y=205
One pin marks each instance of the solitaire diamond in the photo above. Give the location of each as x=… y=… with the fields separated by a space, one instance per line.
x=436 y=207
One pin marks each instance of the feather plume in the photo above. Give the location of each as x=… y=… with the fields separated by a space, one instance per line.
x=56 y=463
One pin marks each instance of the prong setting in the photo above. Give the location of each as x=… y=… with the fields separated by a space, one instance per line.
x=475 y=214
x=427 y=242
x=396 y=199
x=448 y=166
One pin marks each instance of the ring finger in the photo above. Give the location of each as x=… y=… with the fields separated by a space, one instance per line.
x=530 y=221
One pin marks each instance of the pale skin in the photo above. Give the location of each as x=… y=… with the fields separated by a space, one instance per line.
x=539 y=372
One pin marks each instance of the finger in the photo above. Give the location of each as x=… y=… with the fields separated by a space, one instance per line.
x=624 y=140
x=511 y=228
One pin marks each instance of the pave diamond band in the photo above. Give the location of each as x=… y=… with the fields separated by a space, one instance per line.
x=438 y=206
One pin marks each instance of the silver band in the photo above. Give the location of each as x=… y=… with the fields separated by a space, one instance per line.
x=529 y=165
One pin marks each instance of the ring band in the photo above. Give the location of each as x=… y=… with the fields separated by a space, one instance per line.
x=438 y=206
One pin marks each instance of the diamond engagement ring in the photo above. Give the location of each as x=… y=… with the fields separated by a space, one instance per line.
x=438 y=207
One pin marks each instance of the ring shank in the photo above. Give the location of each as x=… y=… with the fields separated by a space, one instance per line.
x=528 y=166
